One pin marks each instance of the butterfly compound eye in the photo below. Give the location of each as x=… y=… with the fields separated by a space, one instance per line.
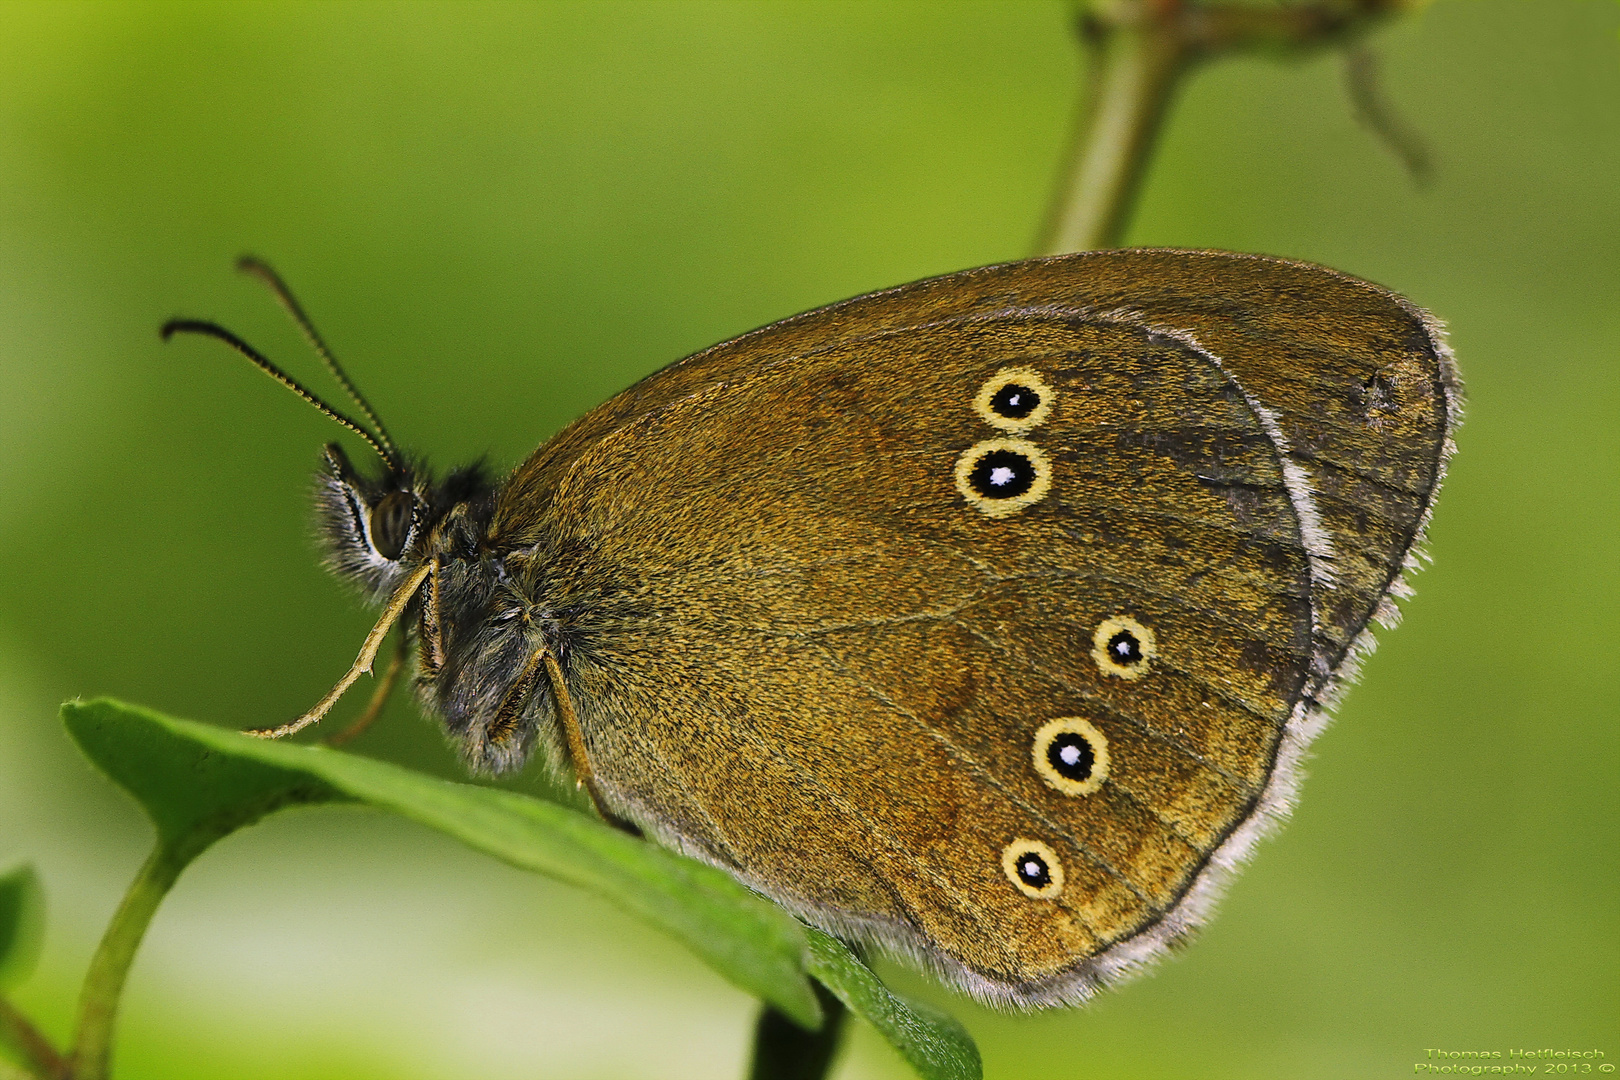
x=391 y=524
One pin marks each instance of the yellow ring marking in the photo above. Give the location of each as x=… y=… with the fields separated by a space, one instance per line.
x=1023 y=376
x=1099 y=755
x=1015 y=852
x=1145 y=643
x=997 y=508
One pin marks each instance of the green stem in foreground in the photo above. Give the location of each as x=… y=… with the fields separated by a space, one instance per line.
x=104 y=982
x=1138 y=53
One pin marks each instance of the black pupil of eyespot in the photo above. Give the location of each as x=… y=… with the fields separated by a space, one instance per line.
x=1032 y=868
x=1124 y=648
x=391 y=524
x=1071 y=756
x=1002 y=474
x=1015 y=401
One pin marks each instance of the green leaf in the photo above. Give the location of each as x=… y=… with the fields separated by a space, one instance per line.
x=22 y=924
x=199 y=783
x=934 y=1044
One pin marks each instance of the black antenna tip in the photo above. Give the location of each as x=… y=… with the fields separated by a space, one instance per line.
x=194 y=326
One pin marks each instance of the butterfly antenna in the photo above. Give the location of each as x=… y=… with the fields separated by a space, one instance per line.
x=214 y=330
x=263 y=271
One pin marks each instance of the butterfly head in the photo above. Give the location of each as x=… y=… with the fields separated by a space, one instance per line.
x=422 y=547
x=376 y=530
x=476 y=617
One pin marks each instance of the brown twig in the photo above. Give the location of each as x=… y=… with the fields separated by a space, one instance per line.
x=1378 y=115
x=40 y=1058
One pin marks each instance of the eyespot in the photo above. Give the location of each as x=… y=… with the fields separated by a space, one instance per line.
x=1123 y=647
x=1002 y=476
x=1033 y=868
x=1014 y=399
x=391 y=523
x=1071 y=755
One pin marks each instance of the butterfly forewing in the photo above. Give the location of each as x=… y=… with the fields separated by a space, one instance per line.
x=850 y=659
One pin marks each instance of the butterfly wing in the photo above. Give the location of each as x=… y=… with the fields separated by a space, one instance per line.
x=983 y=617
x=1361 y=392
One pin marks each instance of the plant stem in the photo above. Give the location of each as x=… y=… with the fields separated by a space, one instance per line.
x=1138 y=53
x=1135 y=72
x=785 y=1051
x=39 y=1056
x=104 y=982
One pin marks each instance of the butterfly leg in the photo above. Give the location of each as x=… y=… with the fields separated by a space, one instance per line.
x=431 y=631
x=379 y=698
x=362 y=663
x=574 y=736
x=430 y=658
x=509 y=715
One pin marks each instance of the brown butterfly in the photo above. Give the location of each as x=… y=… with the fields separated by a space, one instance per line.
x=985 y=618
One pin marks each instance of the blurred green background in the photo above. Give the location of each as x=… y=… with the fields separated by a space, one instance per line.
x=501 y=214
